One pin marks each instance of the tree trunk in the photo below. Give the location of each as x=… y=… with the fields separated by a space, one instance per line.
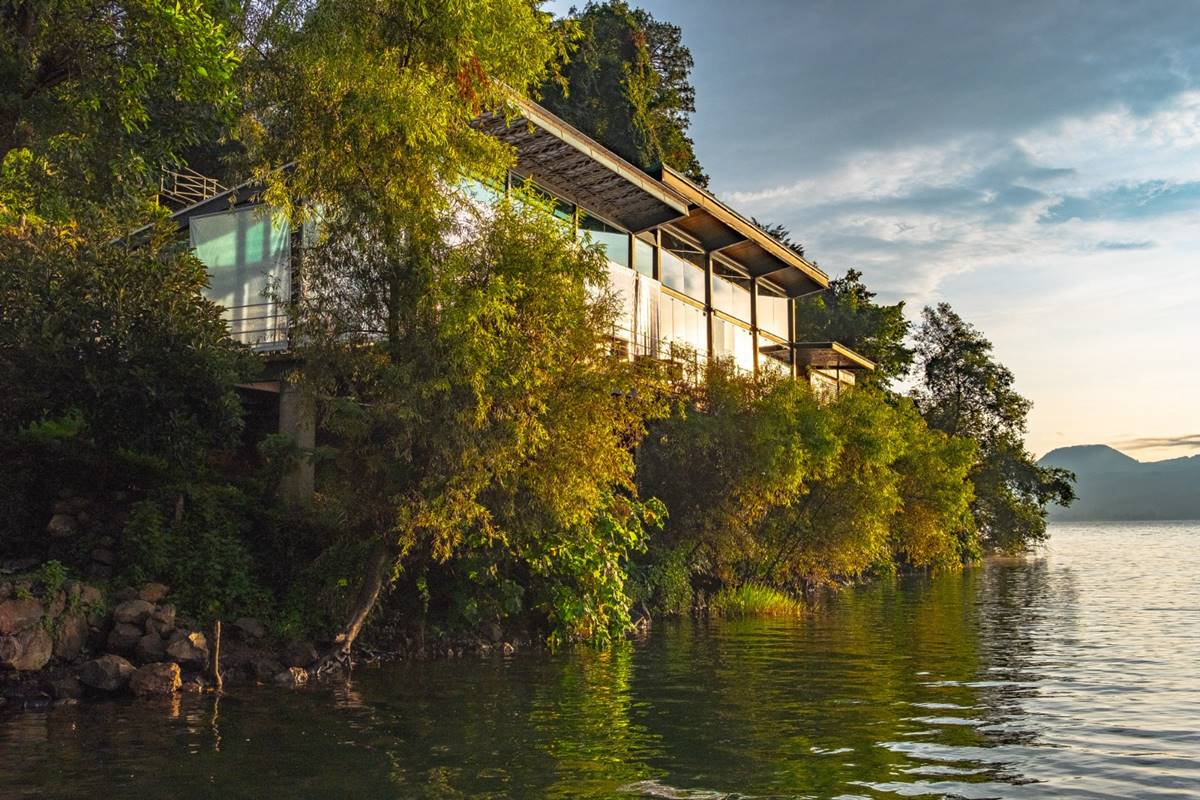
x=381 y=558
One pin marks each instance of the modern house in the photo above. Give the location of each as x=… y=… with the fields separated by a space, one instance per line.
x=696 y=279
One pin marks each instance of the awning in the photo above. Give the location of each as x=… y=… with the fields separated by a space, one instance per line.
x=830 y=355
x=574 y=167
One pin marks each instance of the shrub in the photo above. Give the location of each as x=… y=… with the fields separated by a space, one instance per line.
x=754 y=600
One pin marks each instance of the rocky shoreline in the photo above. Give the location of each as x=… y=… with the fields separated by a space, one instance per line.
x=60 y=644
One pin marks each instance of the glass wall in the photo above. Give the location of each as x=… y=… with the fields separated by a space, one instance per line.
x=731 y=292
x=613 y=241
x=682 y=324
x=772 y=312
x=643 y=257
x=248 y=254
x=735 y=342
x=682 y=276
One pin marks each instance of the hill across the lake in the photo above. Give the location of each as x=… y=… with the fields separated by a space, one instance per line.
x=1113 y=486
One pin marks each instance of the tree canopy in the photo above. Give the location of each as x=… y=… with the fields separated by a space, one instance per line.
x=628 y=85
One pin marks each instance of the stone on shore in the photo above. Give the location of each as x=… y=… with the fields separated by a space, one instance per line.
x=164 y=614
x=108 y=673
x=124 y=637
x=67 y=688
x=36 y=648
x=62 y=526
x=299 y=654
x=70 y=636
x=133 y=612
x=16 y=615
x=153 y=592
x=250 y=628
x=188 y=648
x=162 y=678
x=150 y=648
x=292 y=677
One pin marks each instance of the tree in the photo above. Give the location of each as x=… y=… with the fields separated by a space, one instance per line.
x=94 y=99
x=965 y=392
x=846 y=312
x=735 y=449
x=782 y=235
x=628 y=85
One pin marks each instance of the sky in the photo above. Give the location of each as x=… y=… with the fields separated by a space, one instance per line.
x=1034 y=164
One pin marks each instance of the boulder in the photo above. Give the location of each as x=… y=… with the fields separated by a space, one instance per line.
x=62 y=526
x=153 y=592
x=16 y=615
x=160 y=629
x=107 y=672
x=133 y=612
x=161 y=678
x=250 y=628
x=37 y=646
x=265 y=668
x=57 y=604
x=124 y=637
x=188 y=648
x=299 y=654
x=10 y=651
x=164 y=614
x=67 y=688
x=150 y=648
x=103 y=556
x=5 y=589
x=70 y=636
x=292 y=677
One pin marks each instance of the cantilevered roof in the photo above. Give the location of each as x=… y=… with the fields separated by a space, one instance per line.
x=572 y=166
x=719 y=228
x=830 y=355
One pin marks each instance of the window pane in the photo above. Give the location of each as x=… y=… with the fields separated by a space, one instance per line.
x=643 y=257
x=613 y=241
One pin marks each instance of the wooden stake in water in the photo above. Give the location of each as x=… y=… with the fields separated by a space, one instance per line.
x=216 y=657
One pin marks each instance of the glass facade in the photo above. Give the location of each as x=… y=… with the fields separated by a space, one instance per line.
x=772 y=312
x=734 y=342
x=248 y=253
x=731 y=293
x=613 y=241
x=643 y=257
x=682 y=276
x=682 y=324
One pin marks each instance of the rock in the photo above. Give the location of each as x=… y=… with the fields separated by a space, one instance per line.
x=102 y=556
x=10 y=651
x=70 y=636
x=161 y=678
x=66 y=688
x=250 y=628
x=153 y=592
x=299 y=654
x=194 y=684
x=292 y=677
x=37 y=647
x=188 y=648
x=57 y=604
x=265 y=669
x=165 y=614
x=124 y=637
x=508 y=649
x=16 y=615
x=128 y=593
x=107 y=672
x=160 y=629
x=150 y=648
x=5 y=589
x=62 y=526
x=133 y=612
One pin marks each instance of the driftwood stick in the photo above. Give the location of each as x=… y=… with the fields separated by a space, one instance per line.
x=216 y=657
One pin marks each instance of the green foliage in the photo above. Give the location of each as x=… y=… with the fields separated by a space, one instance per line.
x=965 y=392
x=195 y=542
x=93 y=99
x=734 y=450
x=662 y=580
x=628 y=85
x=846 y=312
x=754 y=600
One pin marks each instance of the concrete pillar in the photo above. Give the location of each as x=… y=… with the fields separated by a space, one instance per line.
x=297 y=419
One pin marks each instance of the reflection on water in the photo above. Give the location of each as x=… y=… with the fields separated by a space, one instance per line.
x=1070 y=675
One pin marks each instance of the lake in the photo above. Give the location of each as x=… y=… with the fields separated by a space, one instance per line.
x=1074 y=673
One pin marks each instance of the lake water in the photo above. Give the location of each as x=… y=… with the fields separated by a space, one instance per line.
x=1073 y=674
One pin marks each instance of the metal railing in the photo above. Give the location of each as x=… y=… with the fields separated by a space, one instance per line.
x=185 y=187
x=263 y=326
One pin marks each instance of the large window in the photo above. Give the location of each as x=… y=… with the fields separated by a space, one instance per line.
x=731 y=292
x=680 y=275
x=772 y=311
x=643 y=257
x=248 y=255
x=613 y=241
x=734 y=342
x=682 y=324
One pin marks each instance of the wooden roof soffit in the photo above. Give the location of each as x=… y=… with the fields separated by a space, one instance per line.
x=567 y=163
x=724 y=230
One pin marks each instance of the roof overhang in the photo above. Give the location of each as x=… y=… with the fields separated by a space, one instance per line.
x=721 y=229
x=830 y=355
x=574 y=167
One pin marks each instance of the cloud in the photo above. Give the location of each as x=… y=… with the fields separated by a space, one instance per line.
x=1143 y=245
x=1189 y=441
x=1131 y=201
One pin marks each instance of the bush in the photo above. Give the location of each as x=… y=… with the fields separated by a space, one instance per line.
x=754 y=600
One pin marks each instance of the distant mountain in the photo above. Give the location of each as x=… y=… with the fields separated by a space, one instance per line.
x=1113 y=486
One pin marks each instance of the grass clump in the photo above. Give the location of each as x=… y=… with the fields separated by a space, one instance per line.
x=754 y=600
